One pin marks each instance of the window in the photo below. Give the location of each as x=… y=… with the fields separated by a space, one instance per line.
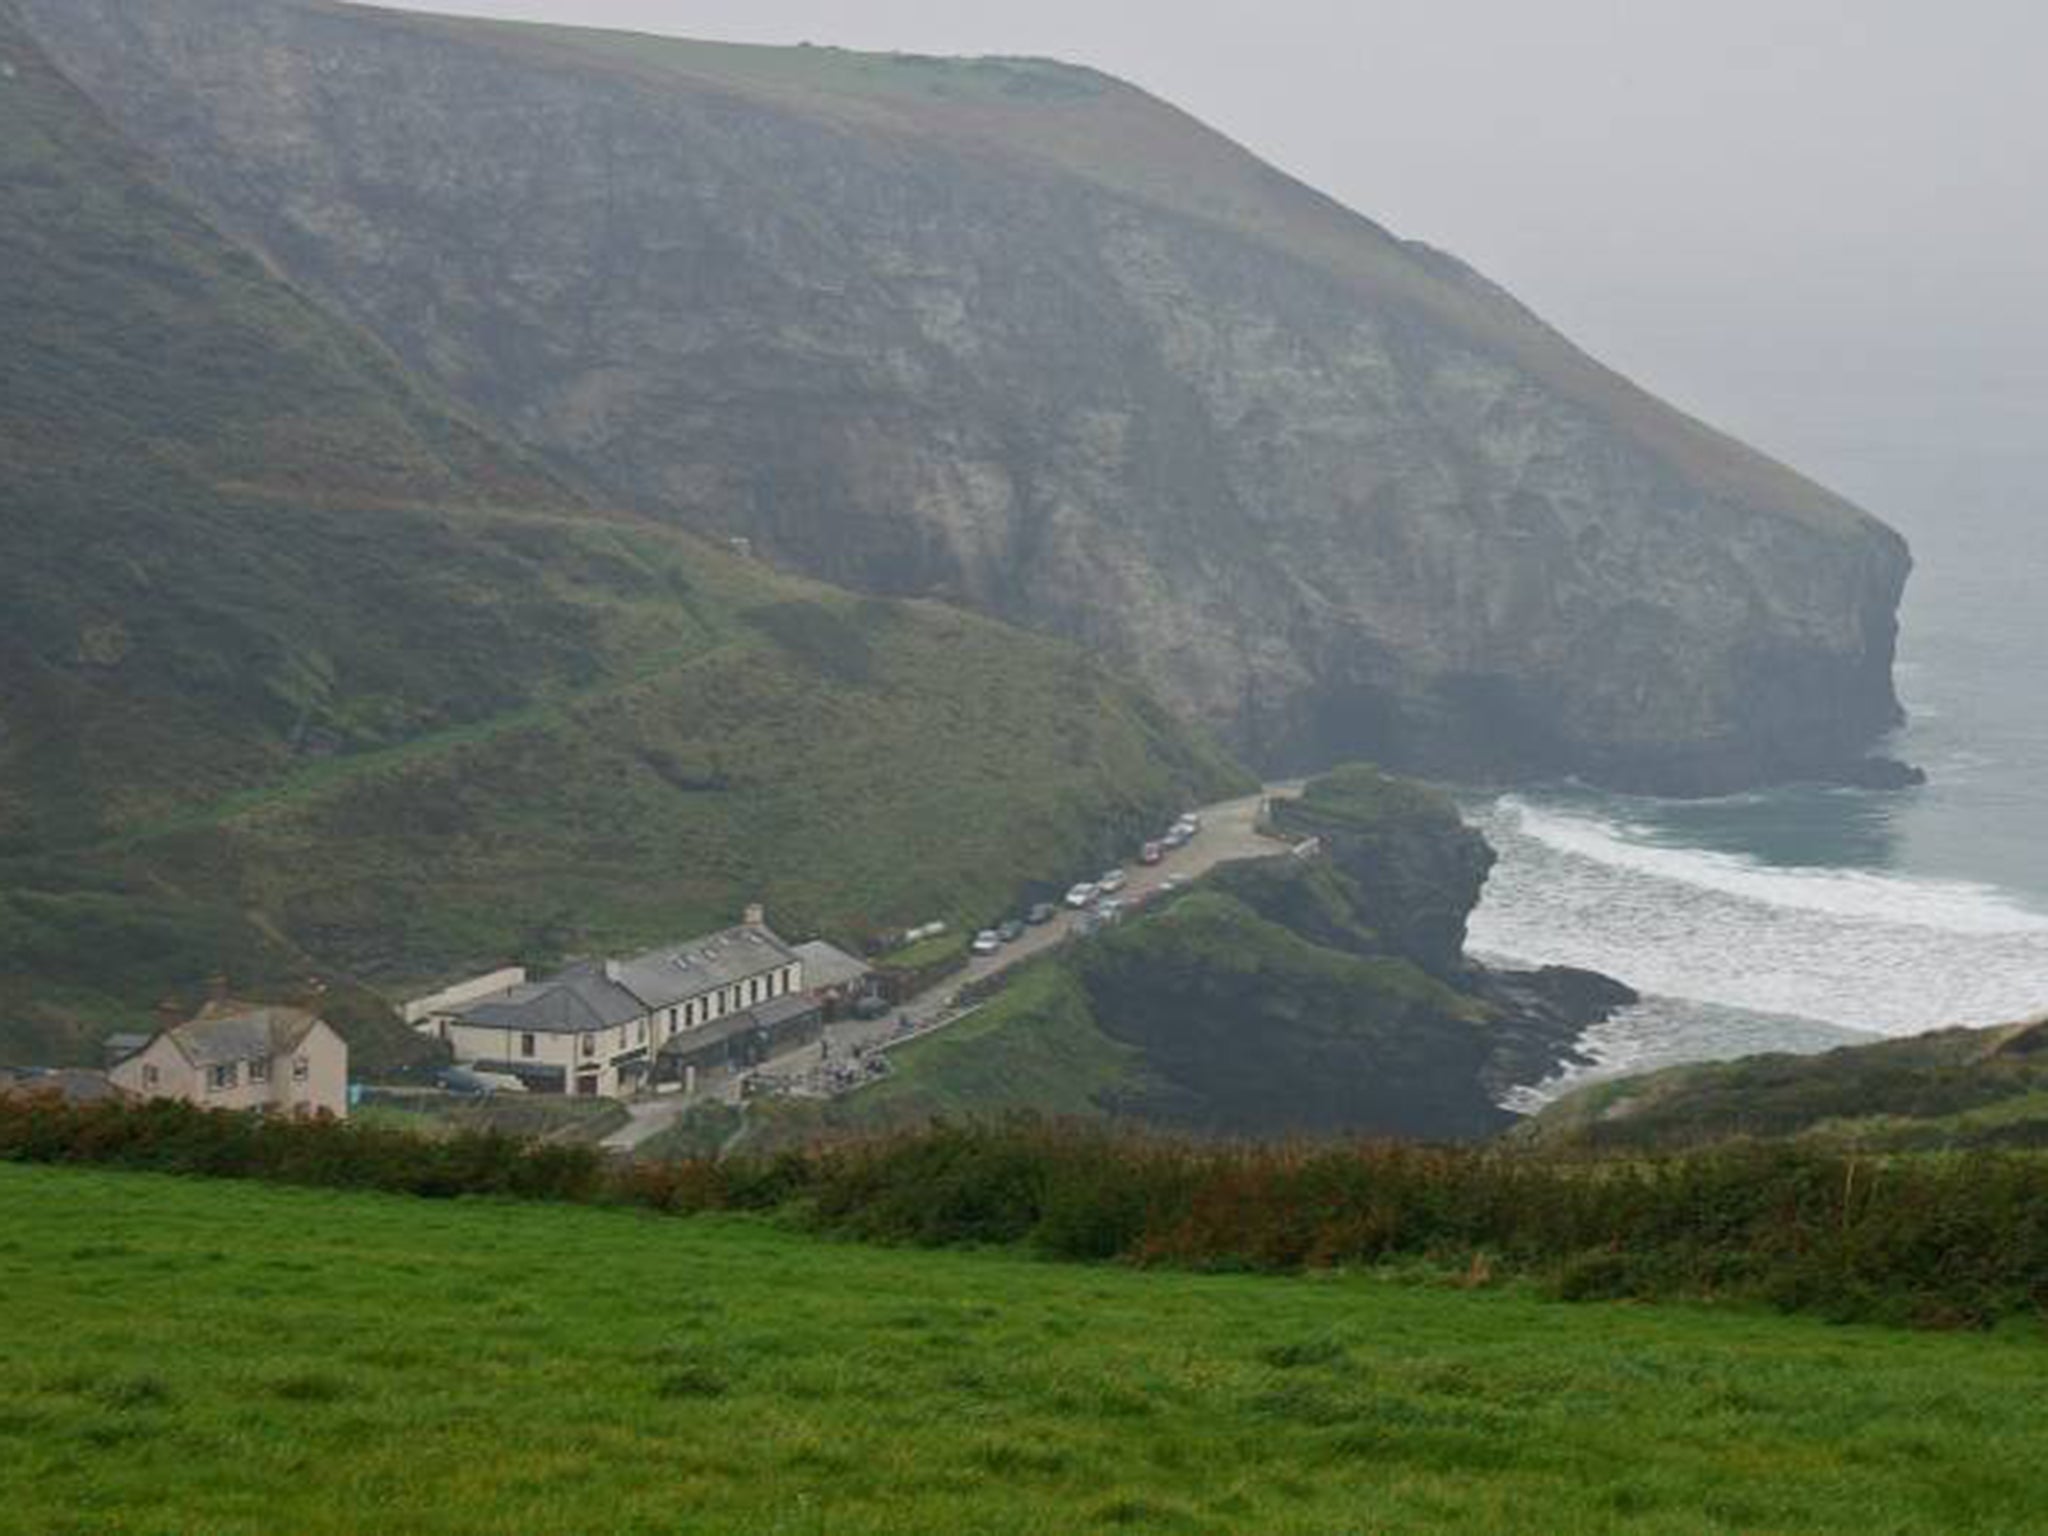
x=640 y=1032
x=259 y=1071
x=590 y=1045
x=526 y=1045
x=301 y=1069
x=151 y=1077
x=226 y=1075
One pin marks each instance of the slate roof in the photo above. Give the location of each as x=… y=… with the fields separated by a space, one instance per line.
x=579 y=999
x=665 y=977
x=762 y=1016
x=826 y=965
x=690 y=1042
x=227 y=1032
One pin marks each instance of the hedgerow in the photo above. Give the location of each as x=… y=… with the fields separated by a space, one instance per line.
x=1926 y=1240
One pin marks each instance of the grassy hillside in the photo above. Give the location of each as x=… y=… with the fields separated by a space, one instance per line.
x=258 y=1358
x=306 y=679
x=1950 y=1090
x=1280 y=997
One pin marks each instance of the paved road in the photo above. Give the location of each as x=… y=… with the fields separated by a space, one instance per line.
x=1229 y=833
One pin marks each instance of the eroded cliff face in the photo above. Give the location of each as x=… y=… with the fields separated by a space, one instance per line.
x=1020 y=336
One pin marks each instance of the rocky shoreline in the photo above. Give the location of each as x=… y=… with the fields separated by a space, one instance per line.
x=1544 y=1014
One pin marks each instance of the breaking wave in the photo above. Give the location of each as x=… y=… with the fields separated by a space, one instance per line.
x=1859 y=950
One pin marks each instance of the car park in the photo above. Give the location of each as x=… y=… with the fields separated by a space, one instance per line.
x=1081 y=895
x=986 y=942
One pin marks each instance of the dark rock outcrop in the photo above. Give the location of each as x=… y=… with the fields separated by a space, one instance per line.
x=1022 y=336
x=1540 y=1017
x=1395 y=876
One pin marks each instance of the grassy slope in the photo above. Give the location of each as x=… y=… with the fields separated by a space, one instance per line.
x=1205 y=1016
x=1953 y=1089
x=1280 y=996
x=1037 y=1048
x=1081 y=123
x=257 y=1358
x=306 y=676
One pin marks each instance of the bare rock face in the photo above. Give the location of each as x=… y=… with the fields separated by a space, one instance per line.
x=1021 y=336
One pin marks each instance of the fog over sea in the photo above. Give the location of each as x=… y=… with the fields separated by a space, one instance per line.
x=1803 y=918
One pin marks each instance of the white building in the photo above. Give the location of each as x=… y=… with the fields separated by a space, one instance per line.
x=243 y=1056
x=616 y=1027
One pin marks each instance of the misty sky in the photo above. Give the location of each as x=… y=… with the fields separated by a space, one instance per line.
x=1784 y=214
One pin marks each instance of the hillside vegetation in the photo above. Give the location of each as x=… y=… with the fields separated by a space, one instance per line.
x=308 y=679
x=1951 y=1090
x=1284 y=996
x=258 y=1357
x=1024 y=337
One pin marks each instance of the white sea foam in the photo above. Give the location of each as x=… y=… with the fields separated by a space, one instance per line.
x=1874 y=952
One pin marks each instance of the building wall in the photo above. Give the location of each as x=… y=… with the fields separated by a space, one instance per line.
x=326 y=1083
x=423 y=1011
x=158 y=1071
x=473 y=1043
x=606 y=1066
x=161 y=1071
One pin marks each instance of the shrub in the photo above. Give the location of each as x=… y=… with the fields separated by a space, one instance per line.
x=1927 y=1240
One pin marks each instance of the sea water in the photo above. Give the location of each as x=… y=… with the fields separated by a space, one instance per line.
x=1803 y=918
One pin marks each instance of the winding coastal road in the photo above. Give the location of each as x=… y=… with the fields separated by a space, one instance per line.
x=1230 y=832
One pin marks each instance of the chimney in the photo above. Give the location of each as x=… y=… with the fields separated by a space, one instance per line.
x=611 y=970
x=755 y=916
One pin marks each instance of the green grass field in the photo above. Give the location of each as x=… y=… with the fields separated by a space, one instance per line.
x=229 y=1357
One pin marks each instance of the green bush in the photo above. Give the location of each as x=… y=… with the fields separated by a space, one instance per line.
x=1945 y=1241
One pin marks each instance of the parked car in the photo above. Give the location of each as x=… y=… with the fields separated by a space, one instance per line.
x=1079 y=897
x=1011 y=931
x=1152 y=853
x=1190 y=824
x=1177 y=836
x=986 y=942
x=1041 y=914
x=871 y=1005
x=1109 y=909
x=1112 y=882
